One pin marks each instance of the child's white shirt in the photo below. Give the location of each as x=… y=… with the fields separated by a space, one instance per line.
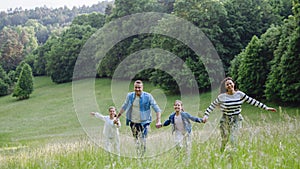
x=110 y=129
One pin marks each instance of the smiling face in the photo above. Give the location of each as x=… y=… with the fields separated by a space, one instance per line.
x=138 y=88
x=112 y=112
x=178 y=106
x=229 y=85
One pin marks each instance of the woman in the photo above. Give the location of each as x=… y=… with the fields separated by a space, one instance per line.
x=230 y=101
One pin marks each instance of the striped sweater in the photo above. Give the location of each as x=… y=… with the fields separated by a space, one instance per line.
x=232 y=104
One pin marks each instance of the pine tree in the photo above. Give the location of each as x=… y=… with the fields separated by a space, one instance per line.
x=289 y=66
x=251 y=74
x=24 y=86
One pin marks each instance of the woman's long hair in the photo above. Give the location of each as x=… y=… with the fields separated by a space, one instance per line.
x=222 y=85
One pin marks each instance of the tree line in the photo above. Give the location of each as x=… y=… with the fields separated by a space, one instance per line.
x=257 y=41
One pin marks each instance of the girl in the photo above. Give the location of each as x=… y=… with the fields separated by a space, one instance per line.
x=230 y=101
x=182 y=127
x=110 y=130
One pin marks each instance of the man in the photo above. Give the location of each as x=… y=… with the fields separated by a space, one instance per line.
x=138 y=114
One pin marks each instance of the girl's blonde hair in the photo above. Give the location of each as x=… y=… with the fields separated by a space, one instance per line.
x=111 y=107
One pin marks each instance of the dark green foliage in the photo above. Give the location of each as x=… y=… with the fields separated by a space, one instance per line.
x=178 y=78
x=251 y=65
x=62 y=57
x=127 y=46
x=244 y=20
x=124 y=7
x=296 y=10
x=41 y=55
x=12 y=76
x=24 y=86
x=266 y=67
x=273 y=60
x=18 y=71
x=289 y=68
x=3 y=88
x=235 y=64
x=5 y=82
x=4 y=76
x=283 y=83
x=95 y=20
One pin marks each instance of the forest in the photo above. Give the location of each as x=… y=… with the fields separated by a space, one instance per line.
x=258 y=42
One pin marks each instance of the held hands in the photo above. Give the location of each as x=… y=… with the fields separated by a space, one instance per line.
x=116 y=121
x=158 y=125
x=205 y=118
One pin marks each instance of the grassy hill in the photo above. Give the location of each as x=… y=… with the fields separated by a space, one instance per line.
x=45 y=132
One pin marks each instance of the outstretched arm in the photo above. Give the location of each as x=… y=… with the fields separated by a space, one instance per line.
x=256 y=103
x=120 y=113
x=271 y=109
x=194 y=118
x=97 y=115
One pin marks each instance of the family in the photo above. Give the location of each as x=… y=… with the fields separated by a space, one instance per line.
x=138 y=106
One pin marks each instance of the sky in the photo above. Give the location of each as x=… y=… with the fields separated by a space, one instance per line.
x=31 y=4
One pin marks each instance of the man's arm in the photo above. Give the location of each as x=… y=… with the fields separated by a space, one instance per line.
x=120 y=113
x=158 y=122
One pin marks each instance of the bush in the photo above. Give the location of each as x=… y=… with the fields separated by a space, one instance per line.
x=3 y=88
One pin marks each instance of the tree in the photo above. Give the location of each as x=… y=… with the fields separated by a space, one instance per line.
x=11 y=49
x=251 y=67
x=235 y=64
x=290 y=61
x=18 y=71
x=207 y=16
x=125 y=7
x=62 y=57
x=41 y=31
x=24 y=86
x=244 y=19
x=129 y=45
x=289 y=68
x=249 y=80
x=283 y=83
x=3 y=88
x=274 y=83
x=95 y=20
x=5 y=82
x=41 y=55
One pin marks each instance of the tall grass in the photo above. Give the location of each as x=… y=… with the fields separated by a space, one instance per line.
x=268 y=145
x=43 y=132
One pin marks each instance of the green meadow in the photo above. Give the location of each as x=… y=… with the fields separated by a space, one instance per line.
x=46 y=132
